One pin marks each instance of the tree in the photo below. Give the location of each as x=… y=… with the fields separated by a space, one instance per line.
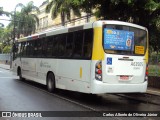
x=153 y=7
x=5 y=35
x=142 y=12
x=3 y=12
x=7 y=49
x=62 y=7
x=24 y=21
x=5 y=40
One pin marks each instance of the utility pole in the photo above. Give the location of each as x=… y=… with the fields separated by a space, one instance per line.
x=14 y=37
x=14 y=34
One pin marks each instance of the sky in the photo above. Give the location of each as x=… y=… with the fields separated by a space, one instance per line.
x=9 y=5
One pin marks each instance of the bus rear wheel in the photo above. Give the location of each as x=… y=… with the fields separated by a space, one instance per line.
x=51 y=82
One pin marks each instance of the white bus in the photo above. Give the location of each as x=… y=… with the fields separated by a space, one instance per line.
x=99 y=57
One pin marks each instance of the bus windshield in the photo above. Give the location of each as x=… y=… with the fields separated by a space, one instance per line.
x=127 y=40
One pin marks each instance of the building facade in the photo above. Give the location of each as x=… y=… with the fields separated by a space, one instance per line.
x=46 y=22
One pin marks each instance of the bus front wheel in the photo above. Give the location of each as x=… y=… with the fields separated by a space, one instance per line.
x=51 y=82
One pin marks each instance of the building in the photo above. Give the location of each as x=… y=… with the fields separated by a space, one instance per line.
x=46 y=22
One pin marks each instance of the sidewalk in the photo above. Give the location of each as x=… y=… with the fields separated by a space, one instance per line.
x=153 y=91
x=5 y=66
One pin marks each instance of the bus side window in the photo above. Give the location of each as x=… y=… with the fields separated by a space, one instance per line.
x=19 y=49
x=16 y=49
x=88 y=43
x=62 y=45
x=49 y=46
x=69 y=45
x=44 y=48
x=37 y=48
x=27 y=49
x=78 y=42
x=23 y=49
x=31 y=48
x=55 y=48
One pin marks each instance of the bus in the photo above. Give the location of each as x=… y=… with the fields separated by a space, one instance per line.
x=100 y=57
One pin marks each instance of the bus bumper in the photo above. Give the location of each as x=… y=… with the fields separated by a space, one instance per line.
x=99 y=87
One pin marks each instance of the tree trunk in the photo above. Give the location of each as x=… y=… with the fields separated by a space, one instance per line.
x=63 y=18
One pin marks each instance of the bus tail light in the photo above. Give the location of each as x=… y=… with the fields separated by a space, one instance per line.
x=98 y=71
x=146 y=77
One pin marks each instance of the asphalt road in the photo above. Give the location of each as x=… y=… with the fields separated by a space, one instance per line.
x=16 y=95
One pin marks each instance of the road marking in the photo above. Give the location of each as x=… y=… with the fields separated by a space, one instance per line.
x=10 y=77
x=66 y=99
x=63 y=98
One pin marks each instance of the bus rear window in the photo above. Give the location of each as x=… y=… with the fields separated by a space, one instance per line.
x=118 y=39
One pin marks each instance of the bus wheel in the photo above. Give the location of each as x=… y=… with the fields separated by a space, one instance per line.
x=51 y=82
x=20 y=74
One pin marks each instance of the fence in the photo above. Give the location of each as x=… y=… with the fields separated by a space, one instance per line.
x=154 y=71
x=154 y=65
x=5 y=58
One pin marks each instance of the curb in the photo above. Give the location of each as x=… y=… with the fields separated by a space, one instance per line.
x=145 y=98
x=153 y=92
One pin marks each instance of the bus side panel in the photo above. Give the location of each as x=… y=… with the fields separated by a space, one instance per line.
x=74 y=75
x=29 y=68
x=43 y=66
x=15 y=64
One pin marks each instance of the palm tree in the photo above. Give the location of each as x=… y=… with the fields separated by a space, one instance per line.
x=62 y=7
x=3 y=12
x=24 y=21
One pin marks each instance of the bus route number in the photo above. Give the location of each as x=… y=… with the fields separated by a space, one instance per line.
x=136 y=63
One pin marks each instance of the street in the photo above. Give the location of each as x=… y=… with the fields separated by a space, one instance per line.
x=16 y=95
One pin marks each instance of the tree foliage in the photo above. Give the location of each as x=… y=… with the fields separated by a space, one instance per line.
x=3 y=12
x=5 y=40
x=24 y=21
x=142 y=12
x=7 y=49
x=62 y=7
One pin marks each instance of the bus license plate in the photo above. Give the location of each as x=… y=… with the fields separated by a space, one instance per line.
x=124 y=77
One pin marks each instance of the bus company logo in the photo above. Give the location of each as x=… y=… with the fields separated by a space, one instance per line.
x=44 y=65
x=109 y=61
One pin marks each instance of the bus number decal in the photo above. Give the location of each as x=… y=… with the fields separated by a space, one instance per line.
x=136 y=63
